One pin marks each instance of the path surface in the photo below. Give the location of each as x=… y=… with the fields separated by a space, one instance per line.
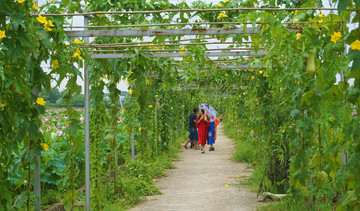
x=199 y=182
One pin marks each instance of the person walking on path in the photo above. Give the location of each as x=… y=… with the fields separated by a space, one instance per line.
x=193 y=137
x=211 y=136
x=217 y=122
x=202 y=123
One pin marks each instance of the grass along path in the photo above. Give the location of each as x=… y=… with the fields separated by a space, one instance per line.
x=204 y=182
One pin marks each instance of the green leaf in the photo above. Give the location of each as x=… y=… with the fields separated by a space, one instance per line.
x=342 y=5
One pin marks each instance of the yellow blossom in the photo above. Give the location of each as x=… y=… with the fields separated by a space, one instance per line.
x=296 y=20
x=222 y=15
x=172 y=108
x=226 y=75
x=45 y=146
x=355 y=45
x=87 y=4
x=320 y=15
x=77 y=42
x=67 y=44
x=55 y=64
x=130 y=92
x=77 y=55
x=126 y=83
x=226 y=185
x=226 y=1
x=239 y=96
x=50 y=23
x=252 y=77
x=40 y=101
x=150 y=106
x=267 y=76
x=48 y=28
x=2 y=106
x=2 y=34
x=41 y=19
x=156 y=95
x=20 y=1
x=335 y=37
x=260 y=71
x=34 y=6
x=298 y=35
x=243 y=93
x=103 y=76
x=139 y=129
x=183 y=50
x=320 y=21
x=219 y=5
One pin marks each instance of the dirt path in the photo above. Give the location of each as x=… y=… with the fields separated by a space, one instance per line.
x=199 y=182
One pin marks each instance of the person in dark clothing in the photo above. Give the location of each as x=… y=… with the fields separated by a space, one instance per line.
x=193 y=137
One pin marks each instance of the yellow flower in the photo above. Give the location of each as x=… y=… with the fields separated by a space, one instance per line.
x=298 y=82
x=150 y=106
x=243 y=93
x=55 y=64
x=41 y=19
x=252 y=77
x=226 y=185
x=183 y=50
x=296 y=20
x=45 y=146
x=156 y=95
x=103 y=76
x=50 y=23
x=226 y=75
x=48 y=28
x=219 y=5
x=40 y=101
x=77 y=42
x=87 y=4
x=260 y=71
x=67 y=44
x=355 y=45
x=222 y=15
x=226 y=1
x=139 y=129
x=2 y=34
x=298 y=35
x=320 y=21
x=130 y=92
x=2 y=106
x=77 y=55
x=126 y=83
x=34 y=6
x=335 y=37
x=20 y=1
x=239 y=96
x=320 y=15
x=172 y=108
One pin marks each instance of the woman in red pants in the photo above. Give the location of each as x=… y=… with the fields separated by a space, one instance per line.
x=202 y=123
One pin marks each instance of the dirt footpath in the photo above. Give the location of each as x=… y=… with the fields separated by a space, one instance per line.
x=204 y=182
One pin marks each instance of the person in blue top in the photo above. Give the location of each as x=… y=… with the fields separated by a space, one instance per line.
x=193 y=137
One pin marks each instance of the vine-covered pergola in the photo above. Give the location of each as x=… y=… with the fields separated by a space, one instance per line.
x=274 y=63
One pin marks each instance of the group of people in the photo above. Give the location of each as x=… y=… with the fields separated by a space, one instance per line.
x=202 y=131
